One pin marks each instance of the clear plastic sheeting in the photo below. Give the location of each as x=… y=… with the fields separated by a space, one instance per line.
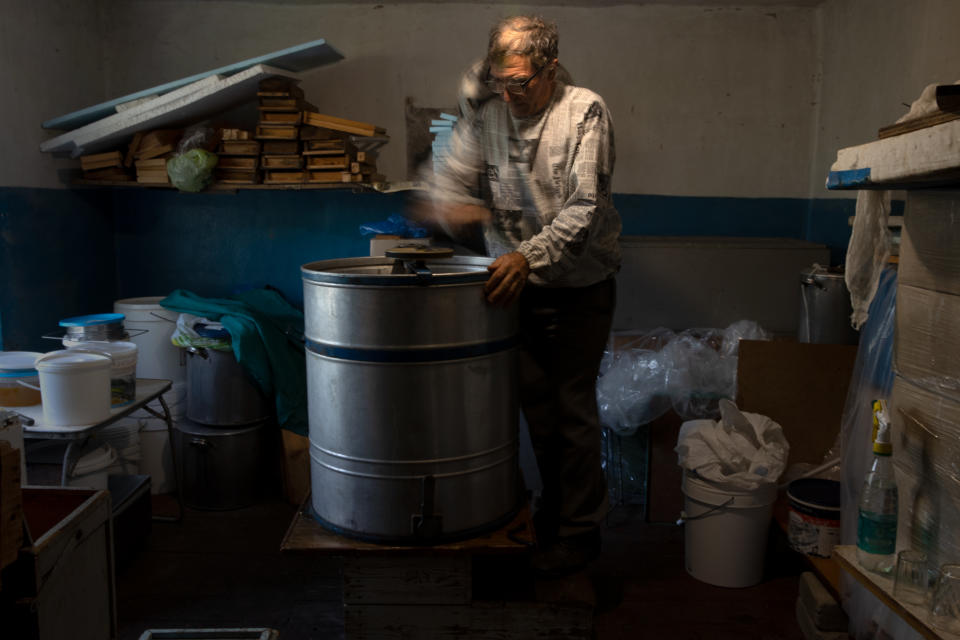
x=741 y=451
x=646 y=375
x=872 y=380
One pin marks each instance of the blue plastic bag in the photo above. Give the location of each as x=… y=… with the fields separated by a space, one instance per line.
x=395 y=225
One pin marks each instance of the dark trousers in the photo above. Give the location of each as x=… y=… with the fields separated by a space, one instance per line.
x=563 y=333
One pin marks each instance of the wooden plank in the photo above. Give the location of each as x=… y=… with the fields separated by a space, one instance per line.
x=241 y=163
x=341 y=124
x=325 y=176
x=281 y=147
x=280 y=104
x=282 y=117
x=117 y=174
x=132 y=149
x=917 y=616
x=235 y=134
x=916 y=124
x=281 y=162
x=276 y=132
x=407 y=580
x=477 y=621
x=239 y=147
x=236 y=177
x=307 y=535
x=11 y=504
x=101 y=160
x=283 y=177
x=328 y=162
x=318 y=133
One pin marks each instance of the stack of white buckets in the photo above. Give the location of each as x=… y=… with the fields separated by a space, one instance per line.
x=139 y=443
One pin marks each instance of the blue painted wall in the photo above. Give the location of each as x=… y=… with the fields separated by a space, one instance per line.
x=57 y=261
x=68 y=252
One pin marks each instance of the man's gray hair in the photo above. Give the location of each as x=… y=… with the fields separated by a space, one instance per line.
x=528 y=36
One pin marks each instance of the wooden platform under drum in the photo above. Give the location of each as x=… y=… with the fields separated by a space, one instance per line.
x=477 y=588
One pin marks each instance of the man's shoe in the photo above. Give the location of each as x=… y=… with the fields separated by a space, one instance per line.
x=566 y=555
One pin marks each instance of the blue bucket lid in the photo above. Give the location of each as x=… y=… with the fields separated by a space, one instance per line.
x=92 y=320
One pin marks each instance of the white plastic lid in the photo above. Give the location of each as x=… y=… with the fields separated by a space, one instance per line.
x=99 y=458
x=18 y=363
x=147 y=302
x=72 y=360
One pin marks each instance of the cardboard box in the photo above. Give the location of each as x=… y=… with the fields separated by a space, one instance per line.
x=929 y=255
x=926 y=345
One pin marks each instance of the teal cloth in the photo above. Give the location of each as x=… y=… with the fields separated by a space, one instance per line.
x=266 y=332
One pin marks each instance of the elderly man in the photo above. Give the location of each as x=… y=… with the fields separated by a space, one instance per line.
x=532 y=160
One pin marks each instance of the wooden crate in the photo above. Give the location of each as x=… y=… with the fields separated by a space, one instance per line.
x=440 y=591
x=11 y=504
x=63 y=583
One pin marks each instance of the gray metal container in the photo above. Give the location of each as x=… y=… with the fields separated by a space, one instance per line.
x=223 y=469
x=825 y=307
x=220 y=392
x=412 y=396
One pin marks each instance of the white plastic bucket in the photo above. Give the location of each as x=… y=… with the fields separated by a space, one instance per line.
x=156 y=457
x=151 y=327
x=95 y=463
x=725 y=531
x=123 y=370
x=124 y=437
x=75 y=387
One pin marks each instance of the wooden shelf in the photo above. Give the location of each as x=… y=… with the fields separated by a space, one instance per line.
x=916 y=616
x=353 y=186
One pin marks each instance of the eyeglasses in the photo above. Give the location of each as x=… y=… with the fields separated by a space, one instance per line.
x=513 y=87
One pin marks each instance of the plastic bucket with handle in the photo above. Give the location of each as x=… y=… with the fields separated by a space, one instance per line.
x=725 y=531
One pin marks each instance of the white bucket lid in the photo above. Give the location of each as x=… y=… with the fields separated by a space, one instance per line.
x=66 y=360
x=704 y=491
x=16 y=364
x=145 y=309
x=100 y=457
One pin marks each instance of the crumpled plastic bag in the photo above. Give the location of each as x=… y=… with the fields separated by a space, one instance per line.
x=395 y=225
x=185 y=335
x=741 y=451
x=690 y=372
x=191 y=169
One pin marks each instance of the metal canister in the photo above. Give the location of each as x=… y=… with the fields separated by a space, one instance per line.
x=412 y=394
x=825 y=307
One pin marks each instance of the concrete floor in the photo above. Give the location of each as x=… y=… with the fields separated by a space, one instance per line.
x=225 y=569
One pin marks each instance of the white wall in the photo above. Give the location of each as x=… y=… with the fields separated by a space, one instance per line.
x=706 y=101
x=877 y=58
x=50 y=63
x=743 y=102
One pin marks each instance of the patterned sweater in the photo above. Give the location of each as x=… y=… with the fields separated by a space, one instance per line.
x=546 y=180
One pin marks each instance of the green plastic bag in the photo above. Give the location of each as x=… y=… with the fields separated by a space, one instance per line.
x=191 y=170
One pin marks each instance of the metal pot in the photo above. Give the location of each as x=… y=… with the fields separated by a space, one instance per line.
x=412 y=397
x=220 y=392
x=225 y=468
x=825 y=307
